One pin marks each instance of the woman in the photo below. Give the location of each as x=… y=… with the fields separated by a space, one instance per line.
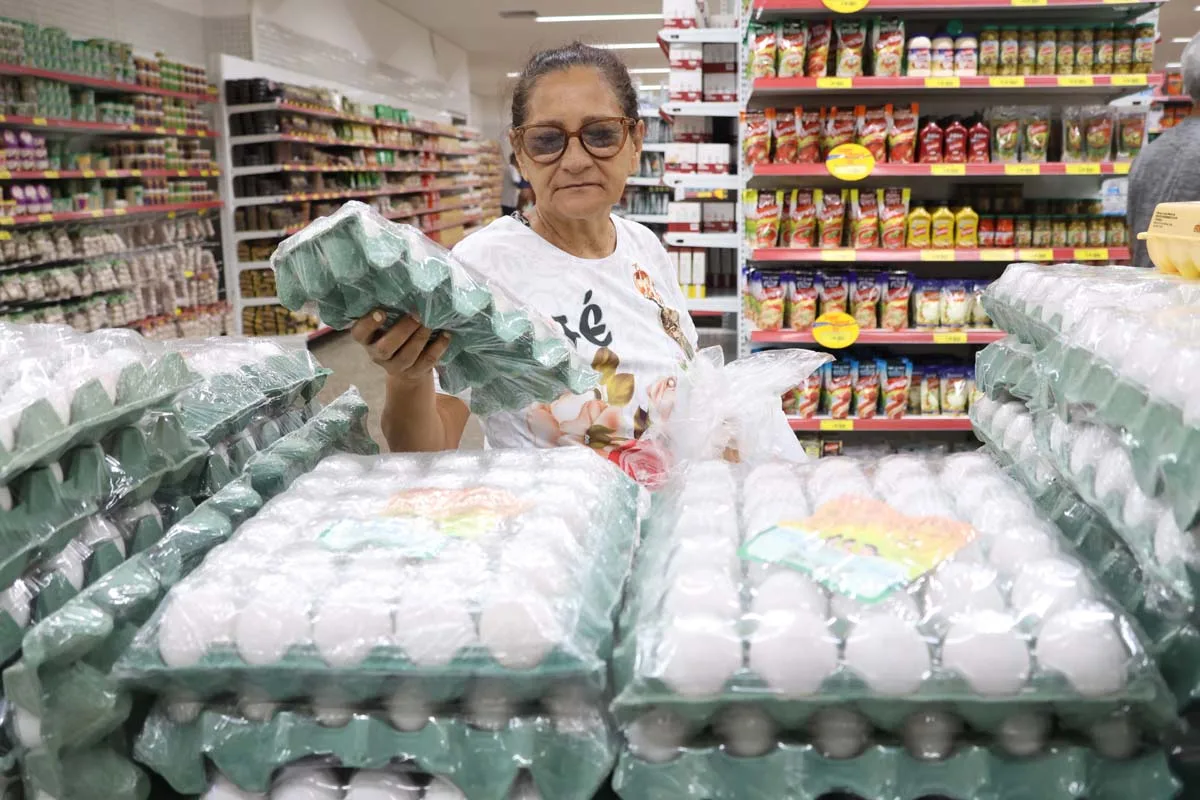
x=607 y=281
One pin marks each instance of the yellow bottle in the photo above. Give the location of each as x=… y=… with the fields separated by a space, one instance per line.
x=919 y=225
x=942 y=228
x=966 y=228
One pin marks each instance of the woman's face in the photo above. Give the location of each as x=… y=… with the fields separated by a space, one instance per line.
x=578 y=185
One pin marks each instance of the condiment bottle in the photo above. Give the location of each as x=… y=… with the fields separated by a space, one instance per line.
x=920 y=56
x=930 y=144
x=943 y=55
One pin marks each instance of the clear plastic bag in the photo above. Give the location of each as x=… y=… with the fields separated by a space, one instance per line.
x=355 y=261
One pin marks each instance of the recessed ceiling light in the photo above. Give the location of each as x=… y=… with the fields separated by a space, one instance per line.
x=628 y=46
x=514 y=75
x=600 y=18
x=652 y=87
x=650 y=71
x=1174 y=64
x=1181 y=39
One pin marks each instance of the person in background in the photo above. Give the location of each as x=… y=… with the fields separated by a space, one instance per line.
x=1168 y=168
x=509 y=188
x=605 y=280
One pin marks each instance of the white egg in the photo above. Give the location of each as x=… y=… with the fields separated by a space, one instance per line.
x=442 y=789
x=1024 y=733
x=758 y=518
x=1005 y=415
x=708 y=552
x=8 y=434
x=702 y=591
x=1171 y=545
x=888 y=653
x=377 y=784
x=827 y=493
x=523 y=788
x=28 y=727
x=893 y=470
x=433 y=623
x=840 y=733
x=978 y=490
x=6 y=499
x=256 y=705
x=274 y=618
x=923 y=503
x=1084 y=645
x=351 y=621
x=899 y=603
x=183 y=707
x=343 y=466
x=408 y=707
x=224 y=789
x=523 y=560
x=520 y=628
x=696 y=656
x=1117 y=737
x=306 y=783
x=658 y=735
x=929 y=735
x=1088 y=446
x=793 y=652
x=331 y=708
x=1114 y=474
x=988 y=651
x=196 y=617
x=70 y=564
x=1045 y=587
x=489 y=705
x=955 y=468
x=1010 y=550
x=788 y=590
x=1020 y=429
x=1138 y=511
x=16 y=601
x=983 y=410
x=746 y=731
x=1002 y=514
x=954 y=589
x=707 y=521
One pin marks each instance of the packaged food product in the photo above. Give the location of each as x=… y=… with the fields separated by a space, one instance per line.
x=787 y=223
x=802 y=300
x=804 y=401
x=887 y=47
x=902 y=134
x=763 y=221
x=979 y=315
x=833 y=292
x=1116 y=234
x=1035 y=134
x=810 y=123
x=1047 y=50
x=927 y=303
x=1085 y=50
x=837 y=389
x=989 y=50
x=893 y=217
x=920 y=228
x=1041 y=231
x=955 y=303
x=840 y=127
x=1058 y=231
x=1023 y=231
x=831 y=216
x=895 y=300
x=966 y=228
x=816 y=63
x=931 y=143
x=1027 y=64
x=803 y=218
x=987 y=231
x=914 y=390
x=1123 y=45
x=1076 y=232
x=966 y=56
x=979 y=143
x=1098 y=133
x=766 y=301
x=1010 y=50
x=931 y=391
x=895 y=378
x=763 y=43
x=941 y=228
x=1005 y=231
x=866 y=389
x=1073 y=134
x=1132 y=132
x=851 y=42
x=1065 y=60
x=1096 y=232
x=954 y=150
x=864 y=219
x=756 y=137
x=783 y=125
x=864 y=299
x=920 y=57
x=792 y=46
x=942 y=60
x=1105 y=50
x=955 y=392
x=872 y=130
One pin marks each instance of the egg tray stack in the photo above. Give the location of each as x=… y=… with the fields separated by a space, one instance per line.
x=315 y=780
x=479 y=587
x=68 y=714
x=1005 y=368
x=728 y=662
x=355 y=261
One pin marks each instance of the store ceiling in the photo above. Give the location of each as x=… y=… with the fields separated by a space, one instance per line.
x=496 y=46
x=1177 y=19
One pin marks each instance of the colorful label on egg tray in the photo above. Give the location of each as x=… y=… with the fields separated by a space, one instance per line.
x=860 y=547
x=419 y=522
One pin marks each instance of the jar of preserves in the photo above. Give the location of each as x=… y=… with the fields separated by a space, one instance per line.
x=1023 y=232
x=1123 y=40
x=1047 y=50
x=1010 y=50
x=1102 y=64
x=989 y=50
x=1066 y=51
x=1145 y=34
x=1077 y=232
x=1085 y=50
x=1115 y=233
x=1058 y=231
x=1027 y=55
x=1096 y=232
x=1041 y=231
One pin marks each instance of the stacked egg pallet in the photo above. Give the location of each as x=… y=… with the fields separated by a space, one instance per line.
x=455 y=611
x=758 y=659
x=1092 y=400
x=101 y=454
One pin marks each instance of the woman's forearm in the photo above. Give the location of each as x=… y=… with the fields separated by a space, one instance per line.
x=416 y=419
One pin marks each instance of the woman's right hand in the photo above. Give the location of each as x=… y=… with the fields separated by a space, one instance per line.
x=407 y=351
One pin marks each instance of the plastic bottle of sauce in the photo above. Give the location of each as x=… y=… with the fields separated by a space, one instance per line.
x=1028 y=51
x=966 y=56
x=989 y=50
x=966 y=228
x=920 y=57
x=979 y=142
x=1085 y=50
x=1105 y=50
x=919 y=224
x=1066 y=51
x=1010 y=51
x=954 y=148
x=930 y=144
x=943 y=55
x=941 y=228
x=1047 y=50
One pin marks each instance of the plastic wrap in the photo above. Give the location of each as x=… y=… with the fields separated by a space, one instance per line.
x=67 y=709
x=977 y=618
x=355 y=261
x=484 y=578
x=60 y=389
x=1006 y=368
x=319 y=780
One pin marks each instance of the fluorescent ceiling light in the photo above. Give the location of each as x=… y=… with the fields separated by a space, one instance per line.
x=653 y=87
x=650 y=71
x=513 y=75
x=600 y=18
x=628 y=46
x=1181 y=39
x=1174 y=64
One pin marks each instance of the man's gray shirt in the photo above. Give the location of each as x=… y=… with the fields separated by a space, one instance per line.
x=1167 y=171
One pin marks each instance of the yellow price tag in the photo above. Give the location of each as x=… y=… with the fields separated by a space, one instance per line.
x=187 y=273
x=204 y=173
x=50 y=174
x=97 y=214
x=835 y=83
x=947 y=169
x=170 y=215
x=88 y=173
x=5 y=236
x=1028 y=2
x=836 y=425
x=942 y=83
x=3 y=118
x=202 y=212
x=839 y=254
x=1076 y=80
x=997 y=254
x=950 y=337
x=1122 y=167
x=7 y=221
x=5 y=174
x=120 y=212
x=45 y=218
x=1092 y=254
x=850 y=162
x=39 y=120
x=181 y=131
x=1040 y=254
x=1128 y=80
x=1006 y=81
x=135 y=128
x=160 y=129
x=937 y=255
x=136 y=173
x=845 y=6
x=1082 y=169
x=835 y=329
x=1022 y=169
x=181 y=173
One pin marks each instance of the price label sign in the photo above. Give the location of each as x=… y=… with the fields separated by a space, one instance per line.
x=950 y=337
x=835 y=330
x=38 y=120
x=45 y=218
x=1082 y=169
x=836 y=425
x=850 y=162
x=1128 y=80
x=97 y=214
x=1076 y=80
x=846 y=6
x=997 y=254
x=942 y=83
x=5 y=174
x=838 y=254
x=947 y=170
x=88 y=173
x=1022 y=169
x=50 y=174
x=1040 y=254
x=1027 y=3
x=938 y=255
x=1092 y=254
x=1006 y=81
x=835 y=83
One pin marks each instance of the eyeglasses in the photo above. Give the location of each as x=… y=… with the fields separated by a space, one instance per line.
x=545 y=143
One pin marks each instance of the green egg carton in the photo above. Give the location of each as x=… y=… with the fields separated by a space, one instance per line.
x=355 y=261
x=39 y=521
x=67 y=710
x=1006 y=367
x=888 y=772
x=566 y=762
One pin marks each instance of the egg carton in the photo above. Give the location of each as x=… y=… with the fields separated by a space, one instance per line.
x=568 y=749
x=355 y=261
x=229 y=457
x=720 y=613
x=67 y=708
x=61 y=389
x=1005 y=368
x=327 y=781
x=889 y=772
x=507 y=565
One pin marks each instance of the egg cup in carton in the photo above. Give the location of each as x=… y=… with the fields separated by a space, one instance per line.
x=1005 y=368
x=59 y=389
x=790 y=590
x=67 y=709
x=564 y=748
x=229 y=456
x=355 y=261
x=456 y=573
x=324 y=779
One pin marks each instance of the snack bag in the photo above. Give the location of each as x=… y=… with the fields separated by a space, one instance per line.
x=833 y=292
x=902 y=135
x=931 y=392
x=1006 y=134
x=840 y=125
x=792 y=46
x=831 y=216
x=887 y=47
x=802 y=301
x=1097 y=133
x=955 y=393
x=787 y=223
x=864 y=299
x=896 y=290
x=804 y=400
x=895 y=380
x=783 y=124
x=837 y=388
x=816 y=61
x=851 y=42
x=914 y=390
x=803 y=213
x=927 y=303
x=809 y=127
x=756 y=138
x=749 y=210
x=979 y=315
x=864 y=219
x=1035 y=134
x=872 y=130
x=1131 y=134
x=1073 y=136
x=762 y=217
x=763 y=50
x=866 y=389
x=956 y=304
x=893 y=217
x=789 y=400
x=767 y=301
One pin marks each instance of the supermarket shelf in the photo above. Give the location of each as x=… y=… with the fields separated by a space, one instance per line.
x=643 y=181
x=418 y=212
x=278 y=233
x=267 y=169
x=722 y=240
x=1005 y=255
x=701 y=109
x=462 y=223
x=770 y=171
x=1078 y=9
x=721 y=304
x=329 y=113
x=648 y=219
x=64 y=174
x=304 y=197
x=702 y=180
x=101 y=83
x=266 y=138
x=245 y=265
x=1181 y=99
x=701 y=35
x=654 y=147
x=259 y=301
x=79 y=216
x=886 y=337
x=930 y=423
x=71 y=126
x=1070 y=85
x=319 y=332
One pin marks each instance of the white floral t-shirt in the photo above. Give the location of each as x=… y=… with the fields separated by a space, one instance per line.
x=624 y=313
